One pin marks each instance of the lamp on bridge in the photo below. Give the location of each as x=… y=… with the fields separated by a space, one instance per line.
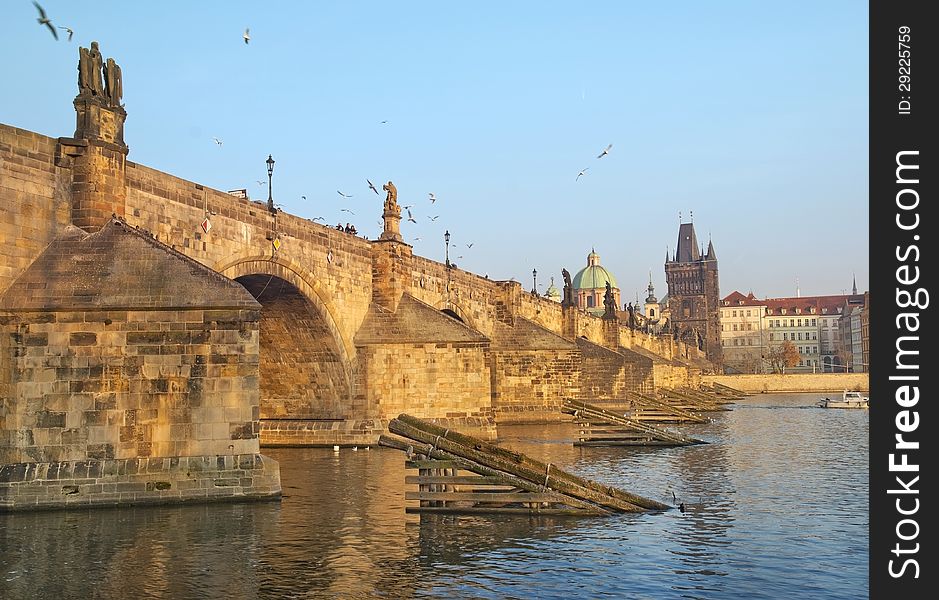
x=534 y=281
x=446 y=239
x=270 y=176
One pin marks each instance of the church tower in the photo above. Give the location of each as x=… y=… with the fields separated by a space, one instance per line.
x=694 y=294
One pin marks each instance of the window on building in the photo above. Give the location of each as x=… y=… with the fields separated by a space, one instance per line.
x=735 y=327
x=792 y=322
x=813 y=323
x=749 y=341
x=799 y=323
x=748 y=313
x=651 y=313
x=771 y=337
x=814 y=335
x=589 y=301
x=734 y=313
x=800 y=335
x=785 y=337
x=736 y=342
x=777 y=322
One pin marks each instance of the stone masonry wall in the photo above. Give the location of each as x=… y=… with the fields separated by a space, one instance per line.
x=129 y=384
x=529 y=385
x=432 y=381
x=34 y=200
x=794 y=382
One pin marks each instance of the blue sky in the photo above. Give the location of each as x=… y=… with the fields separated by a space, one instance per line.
x=754 y=115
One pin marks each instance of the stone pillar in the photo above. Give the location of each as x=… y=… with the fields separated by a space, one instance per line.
x=508 y=306
x=392 y=218
x=98 y=161
x=570 y=325
x=390 y=261
x=611 y=334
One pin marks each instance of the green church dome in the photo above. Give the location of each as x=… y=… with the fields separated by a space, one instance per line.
x=593 y=276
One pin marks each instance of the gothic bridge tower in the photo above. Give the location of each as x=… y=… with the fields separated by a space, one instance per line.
x=694 y=294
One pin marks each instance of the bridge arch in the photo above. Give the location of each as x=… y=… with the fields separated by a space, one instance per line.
x=305 y=365
x=456 y=311
x=303 y=280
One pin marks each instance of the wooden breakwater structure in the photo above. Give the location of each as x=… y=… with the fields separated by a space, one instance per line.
x=458 y=473
x=725 y=390
x=601 y=427
x=652 y=409
x=695 y=400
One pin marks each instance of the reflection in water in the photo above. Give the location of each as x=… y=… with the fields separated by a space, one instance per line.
x=776 y=506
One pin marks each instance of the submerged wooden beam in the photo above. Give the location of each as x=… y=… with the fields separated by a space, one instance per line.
x=520 y=465
x=632 y=430
x=416 y=447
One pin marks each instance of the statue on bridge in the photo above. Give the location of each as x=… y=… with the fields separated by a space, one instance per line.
x=90 y=71
x=609 y=303
x=632 y=315
x=112 y=82
x=391 y=200
x=568 y=297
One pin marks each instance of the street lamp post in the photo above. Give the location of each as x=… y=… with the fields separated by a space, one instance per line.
x=534 y=281
x=270 y=176
x=446 y=239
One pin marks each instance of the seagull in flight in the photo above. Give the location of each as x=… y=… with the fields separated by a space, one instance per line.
x=411 y=218
x=315 y=219
x=343 y=195
x=346 y=210
x=470 y=245
x=259 y=182
x=69 y=30
x=217 y=141
x=432 y=197
x=246 y=36
x=417 y=239
x=383 y=122
x=434 y=218
x=303 y=197
x=605 y=151
x=372 y=187
x=582 y=172
x=44 y=20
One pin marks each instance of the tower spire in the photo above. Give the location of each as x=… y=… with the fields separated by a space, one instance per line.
x=854 y=284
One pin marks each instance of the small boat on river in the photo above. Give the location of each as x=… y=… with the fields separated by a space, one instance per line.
x=847 y=400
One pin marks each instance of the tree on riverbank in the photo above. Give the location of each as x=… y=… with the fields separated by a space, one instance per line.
x=782 y=356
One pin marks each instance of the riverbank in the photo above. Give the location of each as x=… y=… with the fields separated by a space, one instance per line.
x=792 y=383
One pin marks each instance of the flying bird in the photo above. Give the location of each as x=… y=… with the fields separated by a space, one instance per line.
x=605 y=151
x=69 y=30
x=314 y=219
x=410 y=217
x=417 y=239
x=259 y=182
x=372 y=187
x=217 y=141
x=246 y=36
x=346 y=210
x=343 y=195
x=432 y=197
x=303 y=197
x=470 y=245
x=383 y=122
x=434 y=218
x=582 y=172
x=44 y=20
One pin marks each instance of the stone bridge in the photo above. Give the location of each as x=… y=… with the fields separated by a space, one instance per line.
x=120 y=341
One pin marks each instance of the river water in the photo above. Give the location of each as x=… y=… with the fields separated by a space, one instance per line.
x=776 y=507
